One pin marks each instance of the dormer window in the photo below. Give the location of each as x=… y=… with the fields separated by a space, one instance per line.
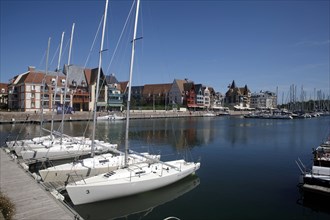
x=2 y=90
x=74 y=83
x=83 y=83
x=53 y=81
x=63 y=81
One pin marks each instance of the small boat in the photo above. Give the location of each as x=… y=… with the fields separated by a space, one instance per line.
x=112 y=117
x=319 y=176
x=317 y=179
x=209 y=114
x=322 y=154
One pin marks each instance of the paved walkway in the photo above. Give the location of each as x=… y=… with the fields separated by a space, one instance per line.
x=32 y=201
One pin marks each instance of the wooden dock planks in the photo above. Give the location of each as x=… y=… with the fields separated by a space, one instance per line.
x=31 y=200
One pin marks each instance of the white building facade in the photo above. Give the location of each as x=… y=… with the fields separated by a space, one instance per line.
x=263 y=100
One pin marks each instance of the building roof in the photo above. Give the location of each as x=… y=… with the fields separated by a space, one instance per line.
x=233 y=85
x=180 y=83
x=76 y=74
x=150 y=89
x=188 y=86
x=37 y=77
x=123 y=86
x=111 y=79
x=237 y=91
x=93 y=77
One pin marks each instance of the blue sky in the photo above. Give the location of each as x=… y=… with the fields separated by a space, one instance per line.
x=264 y=44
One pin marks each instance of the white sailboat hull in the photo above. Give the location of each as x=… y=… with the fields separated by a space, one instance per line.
x=12 y=145
x=129 y=181
x=43 y=142
x=90 y=167
x=63 y=151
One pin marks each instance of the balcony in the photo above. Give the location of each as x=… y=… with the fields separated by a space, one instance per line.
x=80 y=99
x=115 y=102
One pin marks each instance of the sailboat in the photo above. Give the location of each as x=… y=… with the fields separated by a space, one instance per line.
x=137 y=207
x=29 y=148
x=95 y=164
x=63 y=146
x=130 y=179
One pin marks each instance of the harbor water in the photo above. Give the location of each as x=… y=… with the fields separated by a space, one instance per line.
x=248 y=168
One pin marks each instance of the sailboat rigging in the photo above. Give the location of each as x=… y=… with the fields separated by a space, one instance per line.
x=130 y=179
x=63 y=148
x=95 y=164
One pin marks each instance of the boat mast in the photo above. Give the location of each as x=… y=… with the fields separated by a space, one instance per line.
x=66 y=82
x=44 y=89
x=130 y=80
x=55 y=89
x=98 y=78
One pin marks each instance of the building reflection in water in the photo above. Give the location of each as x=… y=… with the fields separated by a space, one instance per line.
x=180 y=133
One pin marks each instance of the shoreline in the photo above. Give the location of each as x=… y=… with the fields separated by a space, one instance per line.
x=35 y=118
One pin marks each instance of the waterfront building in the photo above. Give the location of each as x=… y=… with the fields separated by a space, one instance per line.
x=34 y=89
x=217 y=101
x=3 y=95
x=82 y=87
x=115 y=96
x=176 y=93
x=236 y=96
x=199 y=95
x=205 y=96
x=263 y=100
x=27 y=90
x=136 y=96
x=156 y=94
x=78 y=94
x=190 y=95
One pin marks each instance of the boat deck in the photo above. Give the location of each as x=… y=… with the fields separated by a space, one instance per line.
x=31 y=199
x=319 y=189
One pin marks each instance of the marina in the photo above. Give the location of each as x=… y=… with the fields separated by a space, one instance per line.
x=247 y=165
x=72 y=152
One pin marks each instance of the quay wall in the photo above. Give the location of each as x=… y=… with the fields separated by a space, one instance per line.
x=28 y=117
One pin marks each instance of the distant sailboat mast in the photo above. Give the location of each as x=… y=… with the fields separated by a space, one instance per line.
x=98 y=78
x=66 y=82
x=55 y=89
x=130 y=80
x=44 y=89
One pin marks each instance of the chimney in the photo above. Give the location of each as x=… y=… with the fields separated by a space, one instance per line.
x=31 y=68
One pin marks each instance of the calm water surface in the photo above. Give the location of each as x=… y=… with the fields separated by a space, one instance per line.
x=248 y=168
